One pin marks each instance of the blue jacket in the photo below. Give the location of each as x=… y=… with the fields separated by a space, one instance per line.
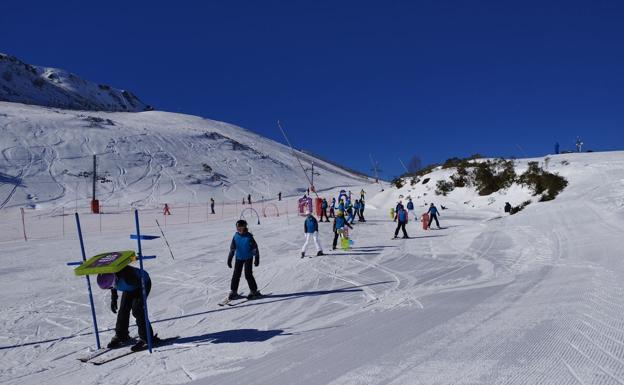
x=410 y=205
x=245 y=247
x=129 y=279
x=433 y=210
x=340 y=223
x=333 y=204
x=310 y=225
x=324 y=205
x=341 y=207
x=357 y=206
x=402 y=215
x=398 y=206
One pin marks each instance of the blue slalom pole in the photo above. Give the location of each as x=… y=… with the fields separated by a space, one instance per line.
x=148 y=330
x=84 y=258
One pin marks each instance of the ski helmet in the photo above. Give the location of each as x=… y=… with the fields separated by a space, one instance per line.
x=106 y=281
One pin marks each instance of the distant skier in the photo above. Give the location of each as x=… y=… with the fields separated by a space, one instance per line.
x=128 y=281
x=249 y=198
x=433 y=214
x=212 y=203
x=279 y=196
x=362 y=193
x=332 y=208
x=243 y=201
x=350 y=216
x=398 y=206
x=166 y=210
x=310 y=229
x=401 y=217
x=410 y=207
x=245 y=248
x=362 y=206
x=324 y=210
x=356 y=210
x=339 y=224
x=507 y=207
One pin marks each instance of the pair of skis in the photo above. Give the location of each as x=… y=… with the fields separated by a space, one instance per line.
x=236 y=301
x=101 y=356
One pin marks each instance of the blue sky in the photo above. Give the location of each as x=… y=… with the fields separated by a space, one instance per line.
x=435 y=79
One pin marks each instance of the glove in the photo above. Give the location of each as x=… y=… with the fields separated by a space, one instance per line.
x=230 y=262
x=257 y=261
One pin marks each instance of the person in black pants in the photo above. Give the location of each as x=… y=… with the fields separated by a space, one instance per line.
x=128 y=281
x=245 y=248
x=324 y=211
x=401 y=218
x=433 y=214
x=212 y=205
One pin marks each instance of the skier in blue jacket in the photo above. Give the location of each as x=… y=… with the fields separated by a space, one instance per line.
x=332 y=208
x=310 y=229
x=356 y=208
x=128 y=281
x=410 y=207
x=245 y=248
x=433 y=214
x=401 y=217
x=324 y=210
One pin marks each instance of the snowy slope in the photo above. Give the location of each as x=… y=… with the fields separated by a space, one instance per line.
x=533 y=298
x=143 y=159
x=24 y=83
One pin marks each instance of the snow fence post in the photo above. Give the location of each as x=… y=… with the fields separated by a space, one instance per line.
x=84 y=258
x=148 y=329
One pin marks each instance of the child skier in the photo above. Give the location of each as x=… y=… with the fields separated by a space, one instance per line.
x=410 y=206
x=128 y=281
x=362 y=206
x=356 y=208
x=310 y=229
x=332 y=208
x=246 y=249
x=324 y=210
x=433 y=214
x=339 y=223
x=401 y=218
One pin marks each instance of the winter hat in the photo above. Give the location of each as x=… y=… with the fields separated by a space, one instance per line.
x=106 y=281
x=241 y=223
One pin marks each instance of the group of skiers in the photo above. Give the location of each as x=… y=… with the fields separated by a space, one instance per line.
x=243 y=255
x=402 y=214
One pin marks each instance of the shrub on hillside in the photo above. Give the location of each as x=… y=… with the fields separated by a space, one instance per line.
x=491 y=176
x=517 y=209
x=542 y=182
x=397 y=182
x=444 y=187
x=461 y=178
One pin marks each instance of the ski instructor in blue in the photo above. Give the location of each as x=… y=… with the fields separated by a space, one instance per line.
x=245 y=248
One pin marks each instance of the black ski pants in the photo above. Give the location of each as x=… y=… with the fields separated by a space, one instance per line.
x=324 y=213
x=431 y=218
x=401 y=226
x=238 y=269
x=132 y=301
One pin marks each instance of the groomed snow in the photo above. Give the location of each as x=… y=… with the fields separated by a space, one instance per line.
x=534 y=298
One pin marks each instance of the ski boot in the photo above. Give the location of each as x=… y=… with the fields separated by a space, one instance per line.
x=302 y=254
x=254 y=295
x=118 y=341
x=319 y=253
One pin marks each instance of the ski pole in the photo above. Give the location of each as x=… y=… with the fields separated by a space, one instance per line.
x=165 y=239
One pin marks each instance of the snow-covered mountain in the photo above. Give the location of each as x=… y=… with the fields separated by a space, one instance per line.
x=144 y=158
x=24 y=83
